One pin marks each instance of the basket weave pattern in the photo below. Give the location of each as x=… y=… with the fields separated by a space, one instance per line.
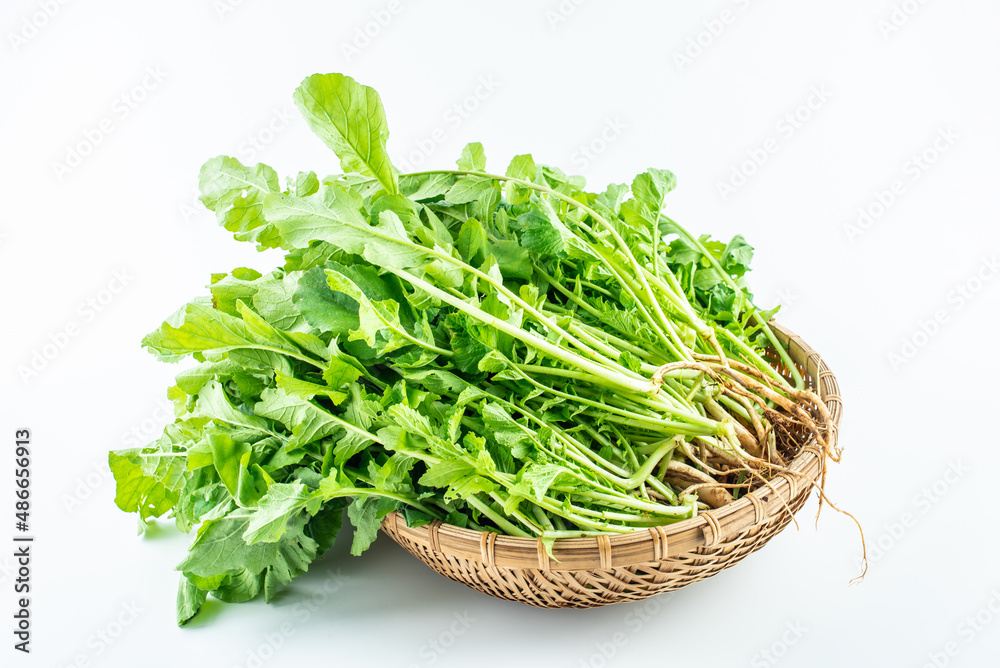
x=601 y=570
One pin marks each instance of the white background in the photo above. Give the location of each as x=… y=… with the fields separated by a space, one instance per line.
x=561 y=77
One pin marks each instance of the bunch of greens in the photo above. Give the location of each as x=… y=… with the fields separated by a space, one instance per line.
x=501 y=352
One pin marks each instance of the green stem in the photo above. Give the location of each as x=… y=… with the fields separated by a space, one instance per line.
x=782 y=353
x=496 y=518
x=528 y=338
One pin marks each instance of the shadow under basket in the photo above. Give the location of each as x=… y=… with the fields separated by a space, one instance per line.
x=602 y=570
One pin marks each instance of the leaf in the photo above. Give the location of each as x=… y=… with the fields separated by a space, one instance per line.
x=461 y=479
x=498 y=419
x=322 y=307
x=340 y=373
x=539 y=477
x=349 y=118
x=558 y=180
x=611 y=199
x=444 y=473
x=325 y=524
x=333 y=215
x=737 y=256
x=681 y=251
x=270 y=522
x=226 y=456
x=493 y=362
x=404 y=209
x=312 y=255
x=512 y=259
x=213 y=403
x=220 y=559
x=221 y=548
x=361 y=412
x=521 y=167
x=378 y=286
x=189 y=601
x=652 y=186
x=423 y=187
x=274 y=301
x=200 y=328
x=201 y=495
x=303 y=389
x=438 y=381
x=227 y=289
x=473 y=158
x=190 y=381
x=410 y=420
x=501 y=456
x=296 y=551
x=236 y=194
x=379 y=325
x=366 y=515
x=467 y=351
x=240 y=586
x=306 y=421
x=306 y=183
x=415 y=518
x=469 y=189
x=630 y=361
x=148 y=480
x=393 y=475
x=541 y=235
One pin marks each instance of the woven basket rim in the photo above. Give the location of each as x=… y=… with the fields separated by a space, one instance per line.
x=656 y=543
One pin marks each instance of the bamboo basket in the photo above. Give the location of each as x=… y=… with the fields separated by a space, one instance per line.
x=594 y=571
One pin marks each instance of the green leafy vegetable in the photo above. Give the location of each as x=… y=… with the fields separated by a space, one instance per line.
x=503 y=352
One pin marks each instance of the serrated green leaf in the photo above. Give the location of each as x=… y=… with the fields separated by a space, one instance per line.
x=275 y=509
x=189 y=601
x=306 y=421
x=469 y=189
x=148 y=480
